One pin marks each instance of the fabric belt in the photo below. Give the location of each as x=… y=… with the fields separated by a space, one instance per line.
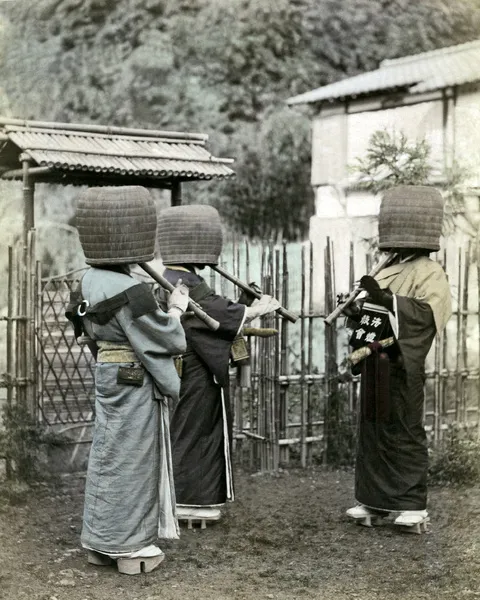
x=115 y=352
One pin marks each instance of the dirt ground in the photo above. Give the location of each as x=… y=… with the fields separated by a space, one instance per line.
x=286 y=537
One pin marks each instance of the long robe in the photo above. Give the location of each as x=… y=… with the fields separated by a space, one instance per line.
x=392 y=454
x=129 y=493
x=201 y=426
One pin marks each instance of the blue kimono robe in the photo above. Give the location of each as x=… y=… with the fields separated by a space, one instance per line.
x=129 y=493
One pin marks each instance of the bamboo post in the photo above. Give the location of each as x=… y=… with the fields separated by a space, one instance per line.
x=239 y=390
x=28 y=200
x=20 y=363
x=303 y=405
x=10 y=378
x=284 y=370
x=458 y=376
x=276 y=373
x=176 y=193
x=466 y=279
x=464 y=361
x=310 y=351
x=436 y=393
x=38 y=322
x=444 y=372
x=351 y=283
x=31 y=334
x=327 y=333
x=478 y=329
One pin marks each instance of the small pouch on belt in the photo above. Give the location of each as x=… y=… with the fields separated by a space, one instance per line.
x=239 y=350
x=178 y=361
x=130 y=376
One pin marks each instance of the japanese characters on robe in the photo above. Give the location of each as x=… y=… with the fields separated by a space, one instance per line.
x=129 y=494
x=392 y=458
x=201 y=426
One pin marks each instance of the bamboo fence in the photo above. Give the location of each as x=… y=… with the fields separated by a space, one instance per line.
x=294 y=400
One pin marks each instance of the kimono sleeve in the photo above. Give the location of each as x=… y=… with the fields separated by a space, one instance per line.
x=415 y=334
x=155 y=338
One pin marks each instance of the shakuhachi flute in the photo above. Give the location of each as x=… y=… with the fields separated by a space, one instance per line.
x=389 y=258
x=283 y=312
x=192 y=305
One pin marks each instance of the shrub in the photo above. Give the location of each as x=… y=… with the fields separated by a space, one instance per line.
x=457 y=460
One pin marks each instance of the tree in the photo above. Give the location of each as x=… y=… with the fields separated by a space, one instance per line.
x=392 y=160
x=271 y=197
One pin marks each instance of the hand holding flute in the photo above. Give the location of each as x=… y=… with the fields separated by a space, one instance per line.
x=255 y=292
x=192 y=305
x=387 y=260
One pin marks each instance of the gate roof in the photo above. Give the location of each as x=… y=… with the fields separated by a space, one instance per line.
x=68 y=153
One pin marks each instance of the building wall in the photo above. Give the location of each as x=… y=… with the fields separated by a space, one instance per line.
x=341 y=135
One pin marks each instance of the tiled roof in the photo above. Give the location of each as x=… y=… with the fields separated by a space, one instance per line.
x=425 y=72
x=123 y=153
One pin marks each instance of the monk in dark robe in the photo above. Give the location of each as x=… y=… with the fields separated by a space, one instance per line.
x=392 y=454
x=190 y=237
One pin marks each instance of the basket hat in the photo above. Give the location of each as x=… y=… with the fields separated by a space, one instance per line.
x=411 y=216
x=190 y=234
x=116 y=225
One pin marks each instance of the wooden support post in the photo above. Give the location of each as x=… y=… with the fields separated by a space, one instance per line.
x=24 y=329
x=28 y=205
x=176 y=198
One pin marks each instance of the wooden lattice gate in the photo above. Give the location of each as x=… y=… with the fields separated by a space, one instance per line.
x=66 y=384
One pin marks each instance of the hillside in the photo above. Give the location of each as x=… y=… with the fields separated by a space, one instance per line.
x=224 y=67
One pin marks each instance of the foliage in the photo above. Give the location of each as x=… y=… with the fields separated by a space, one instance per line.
x=457 y=460
x=21 y=440
x=224 y=67
x=271 y=197
x=392 y=160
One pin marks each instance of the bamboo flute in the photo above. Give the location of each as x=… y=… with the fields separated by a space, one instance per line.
x=192 y=305
x=281 y=311
x=336 y=312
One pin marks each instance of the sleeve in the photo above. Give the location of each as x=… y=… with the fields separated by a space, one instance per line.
x=435 y=291
x=416 y=331
x=155 y=337
x=213 y=347
x=230 y=315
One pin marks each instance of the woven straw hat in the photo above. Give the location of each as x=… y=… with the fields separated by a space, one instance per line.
x=190 y=234
x=116 y=225
x=411 y=216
